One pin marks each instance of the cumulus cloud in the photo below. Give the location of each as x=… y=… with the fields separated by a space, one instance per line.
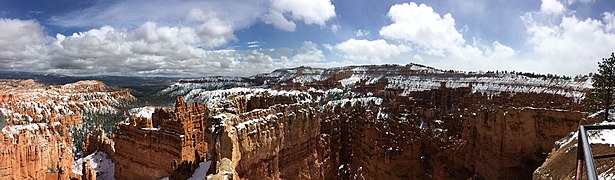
x=309 y=53
x=437 y=40
x=278 y=20
x=21 y=42
x=421 y=25
x=147 y=50
x=213 y=31
x=573 y=46
x=373 y=51
x=309 y=11
x=552 y=7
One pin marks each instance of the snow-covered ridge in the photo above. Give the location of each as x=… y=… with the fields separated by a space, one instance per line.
x=408 y=78
x=183 y=88
x=216 y=96
x=31 y=101
x=364 y=101
x=493 y=85
x=12 y=130
x=144 y=112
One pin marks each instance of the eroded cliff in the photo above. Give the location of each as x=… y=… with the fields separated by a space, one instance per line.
x=35 y=142
x=372 y=122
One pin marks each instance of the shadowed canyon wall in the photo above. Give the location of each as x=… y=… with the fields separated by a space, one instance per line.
x=444 y=133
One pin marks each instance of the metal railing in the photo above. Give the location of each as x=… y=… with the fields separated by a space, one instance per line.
x=584 y=152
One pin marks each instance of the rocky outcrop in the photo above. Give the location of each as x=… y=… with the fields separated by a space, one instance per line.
x=35 y=151
x=98 y=141
x=444 y=133
x=87 y=172
x=29 y=102
x=35 y=144
x=363 y=122
x=166 y=142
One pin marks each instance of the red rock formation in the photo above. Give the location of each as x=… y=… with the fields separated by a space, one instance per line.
x=384 y=122
x=158 y=146
x=35 y=151
x=98 y=141
x=87 y=173
x=444 y=133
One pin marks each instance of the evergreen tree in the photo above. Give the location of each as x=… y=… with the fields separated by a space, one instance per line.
x=601 y=96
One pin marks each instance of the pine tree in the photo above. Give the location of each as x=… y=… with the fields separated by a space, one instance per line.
x=601 y=96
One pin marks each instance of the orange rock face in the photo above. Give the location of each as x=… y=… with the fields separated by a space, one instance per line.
x=35 y=144
x=279 y=134
x=366 y=122
x=165 y=142
x=98 y=141
x=35 y=151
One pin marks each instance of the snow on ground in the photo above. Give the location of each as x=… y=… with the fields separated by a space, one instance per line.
x=15 y=129
x=356 y=101
x=214 y=97
x=606 y=136
x=99 y=161
x=145 y=112
x=201 y=171
x=608 y=174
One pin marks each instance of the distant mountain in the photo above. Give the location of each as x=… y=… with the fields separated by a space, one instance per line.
x=142 y=85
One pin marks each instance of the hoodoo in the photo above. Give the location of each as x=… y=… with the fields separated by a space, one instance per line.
x=372 y=122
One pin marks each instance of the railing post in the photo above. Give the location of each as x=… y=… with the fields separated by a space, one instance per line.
x=589 y=160
x=579 y=175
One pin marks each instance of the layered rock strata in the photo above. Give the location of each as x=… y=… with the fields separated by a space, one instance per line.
x=35 y=151
x=372 y=122
x=270 y=134
x=35 y=142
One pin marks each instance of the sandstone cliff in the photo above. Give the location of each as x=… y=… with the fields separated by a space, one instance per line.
x=35 y=151
x=372 y=122
x=36 y=144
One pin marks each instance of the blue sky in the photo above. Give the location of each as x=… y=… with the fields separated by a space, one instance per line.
x=245 y=37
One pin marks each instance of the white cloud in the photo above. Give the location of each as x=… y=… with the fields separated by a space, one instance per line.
x=335 y=27
x=609 y=20
x=235 y=14
x=439 y=43
x=310 y=11
x=149 y=49
x=421 y=25
x=552 y=7
x=373 y=51
x=21 y=42
x=132 y=13
x=213 y=31
x=361 y=33
x=278 y=20
x=572 y=47
x=309 y=53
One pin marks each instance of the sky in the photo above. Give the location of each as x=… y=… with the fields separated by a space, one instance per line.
x=193 y=38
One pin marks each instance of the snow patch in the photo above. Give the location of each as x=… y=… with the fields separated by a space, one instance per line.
x=201 y=171
x=99 y=161
x=144 y=112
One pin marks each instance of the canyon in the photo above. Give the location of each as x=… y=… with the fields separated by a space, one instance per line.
x=363 y=122
x=355 y=122
x=36 y=141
